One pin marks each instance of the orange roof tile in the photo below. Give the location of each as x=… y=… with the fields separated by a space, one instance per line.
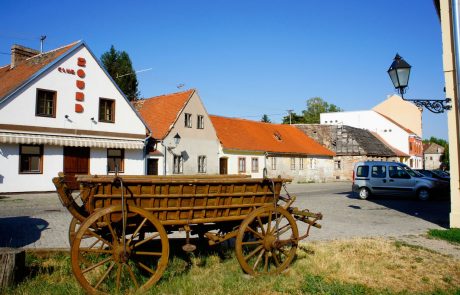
x=246 y=135
x=161 y=112
x=12 y=78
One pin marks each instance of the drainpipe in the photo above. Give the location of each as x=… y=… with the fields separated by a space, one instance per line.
x=144 y=150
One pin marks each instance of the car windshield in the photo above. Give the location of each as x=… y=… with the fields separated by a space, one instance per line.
x=412 y=172
x=440 y=173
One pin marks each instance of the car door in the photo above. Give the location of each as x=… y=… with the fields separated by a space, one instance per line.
x=399 y=181
x=379 y=179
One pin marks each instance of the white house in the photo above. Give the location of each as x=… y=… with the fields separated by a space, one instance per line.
x=186 y=141
x=247 y=147
x=61 y=111
x=392 y=132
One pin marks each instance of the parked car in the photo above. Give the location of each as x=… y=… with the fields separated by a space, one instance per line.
x=391 y=178
x=442 y=178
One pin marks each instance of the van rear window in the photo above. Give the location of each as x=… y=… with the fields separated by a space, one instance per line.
x=362 y=171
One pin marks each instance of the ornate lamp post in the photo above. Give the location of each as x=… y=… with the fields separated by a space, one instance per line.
x=399 y=73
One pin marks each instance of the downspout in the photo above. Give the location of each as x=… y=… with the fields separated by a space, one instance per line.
x=145 y=151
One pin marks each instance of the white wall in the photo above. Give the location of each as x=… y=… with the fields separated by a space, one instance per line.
x=232 y=164
x=315 y=169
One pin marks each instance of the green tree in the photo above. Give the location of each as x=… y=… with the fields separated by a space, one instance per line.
x=119 y=66
x=265 y=119
x=311 y=115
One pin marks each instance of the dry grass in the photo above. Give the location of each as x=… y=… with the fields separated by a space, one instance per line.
x=381 y=264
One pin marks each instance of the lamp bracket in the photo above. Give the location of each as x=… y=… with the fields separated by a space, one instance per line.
x=436 y=106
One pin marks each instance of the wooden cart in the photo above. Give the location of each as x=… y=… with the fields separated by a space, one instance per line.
x=120 y=227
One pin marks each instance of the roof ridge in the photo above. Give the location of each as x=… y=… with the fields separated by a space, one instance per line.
x=53 y=50
x=168 y=94
x=248 y=120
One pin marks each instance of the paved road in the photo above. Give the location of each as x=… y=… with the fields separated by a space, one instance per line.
x=40 y=221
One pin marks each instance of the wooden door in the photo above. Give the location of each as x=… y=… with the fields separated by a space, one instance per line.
x=152 y=166
x=76 y=161
x=223 y=166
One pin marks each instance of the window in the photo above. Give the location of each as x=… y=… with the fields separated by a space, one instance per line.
x=200 y=122
x=312 y=163
x=362 y=171
x=292 y=163
x=338 y=164
x=46 y=103
x=30 y=158
x=106 y=110
x=241 y=165
x=379 y=171
x=397 y=172
x=201 y=164
x=273 y=163
x=301 y=163
x=115 y=160
x=255 y=165
x=188 y=120
x=178 y=165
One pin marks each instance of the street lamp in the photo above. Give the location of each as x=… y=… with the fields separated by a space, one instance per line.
x=399 y=73
x=176 y=139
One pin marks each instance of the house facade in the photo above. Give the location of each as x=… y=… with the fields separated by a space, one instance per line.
x=351 y=145
x=433 y=154
x=392 y=132
x=185 y=139
x=61 y=111
x=249 y=147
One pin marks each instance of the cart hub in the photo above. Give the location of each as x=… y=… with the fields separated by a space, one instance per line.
x=120 y=255
x=269 y=242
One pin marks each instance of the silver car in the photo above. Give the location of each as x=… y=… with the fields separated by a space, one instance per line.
x=390 y=178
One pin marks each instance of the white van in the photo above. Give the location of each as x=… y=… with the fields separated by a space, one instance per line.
x=390 y=178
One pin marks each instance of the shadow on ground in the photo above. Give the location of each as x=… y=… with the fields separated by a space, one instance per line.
x=20 y=231
x=435 y=210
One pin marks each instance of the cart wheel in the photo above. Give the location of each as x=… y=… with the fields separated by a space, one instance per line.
x=73 y=227
x=267 y=241
x=102 y=264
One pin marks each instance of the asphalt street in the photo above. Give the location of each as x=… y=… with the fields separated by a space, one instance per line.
x=40 y=221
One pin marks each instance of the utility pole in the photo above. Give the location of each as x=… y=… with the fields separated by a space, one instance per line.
x=290 y=113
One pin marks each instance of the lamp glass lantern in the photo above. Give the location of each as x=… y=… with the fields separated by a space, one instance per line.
x=399 y=72
x=176 y=139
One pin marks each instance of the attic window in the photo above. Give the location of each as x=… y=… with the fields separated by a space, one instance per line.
x=277 y=136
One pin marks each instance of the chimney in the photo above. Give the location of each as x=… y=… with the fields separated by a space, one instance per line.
x=20 y=53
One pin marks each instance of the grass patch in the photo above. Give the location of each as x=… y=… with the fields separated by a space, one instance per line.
x=451 y=235
x=361 y=266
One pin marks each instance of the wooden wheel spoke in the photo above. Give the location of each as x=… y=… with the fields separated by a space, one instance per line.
x=258 y=242
x=146 y=267
x=261 y=224
x=277 y=224
x=259 y=258
x=146 y=240
x=282 y=229
x=105 y=275
x=96 y=265
x=100 y=251
x=137 y=230
x=147 y=253
x=255 y=232
x=100 y=238
x=270 y=213
x=275 y=258
x=119 y=269
x=133 y=277
x=266 y=262
x=253 y=252
x=112 y=231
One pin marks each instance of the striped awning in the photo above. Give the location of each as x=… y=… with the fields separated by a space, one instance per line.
x=75 y=141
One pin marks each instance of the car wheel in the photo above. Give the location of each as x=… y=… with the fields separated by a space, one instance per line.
x=423 y=194
x=364 y=193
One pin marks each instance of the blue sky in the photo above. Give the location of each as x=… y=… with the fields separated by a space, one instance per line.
x=252 y=57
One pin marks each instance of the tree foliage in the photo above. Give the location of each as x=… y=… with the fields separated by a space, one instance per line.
x=119 y=66
x=265 y=119
x=311 y=115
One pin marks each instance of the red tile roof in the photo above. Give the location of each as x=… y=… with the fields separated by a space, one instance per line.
x=12 y=78
x=246 y=135
x=161 y=112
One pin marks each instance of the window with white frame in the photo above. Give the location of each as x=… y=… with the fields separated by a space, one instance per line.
x=200 y=122
x=254 y=165
x=241 y=165
x=201 y=164
x=301 y=163
x=312 y=163
x=45 y=103
x=178 y=165
x=273 y=163
x=188 y=120
x=292 y=163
